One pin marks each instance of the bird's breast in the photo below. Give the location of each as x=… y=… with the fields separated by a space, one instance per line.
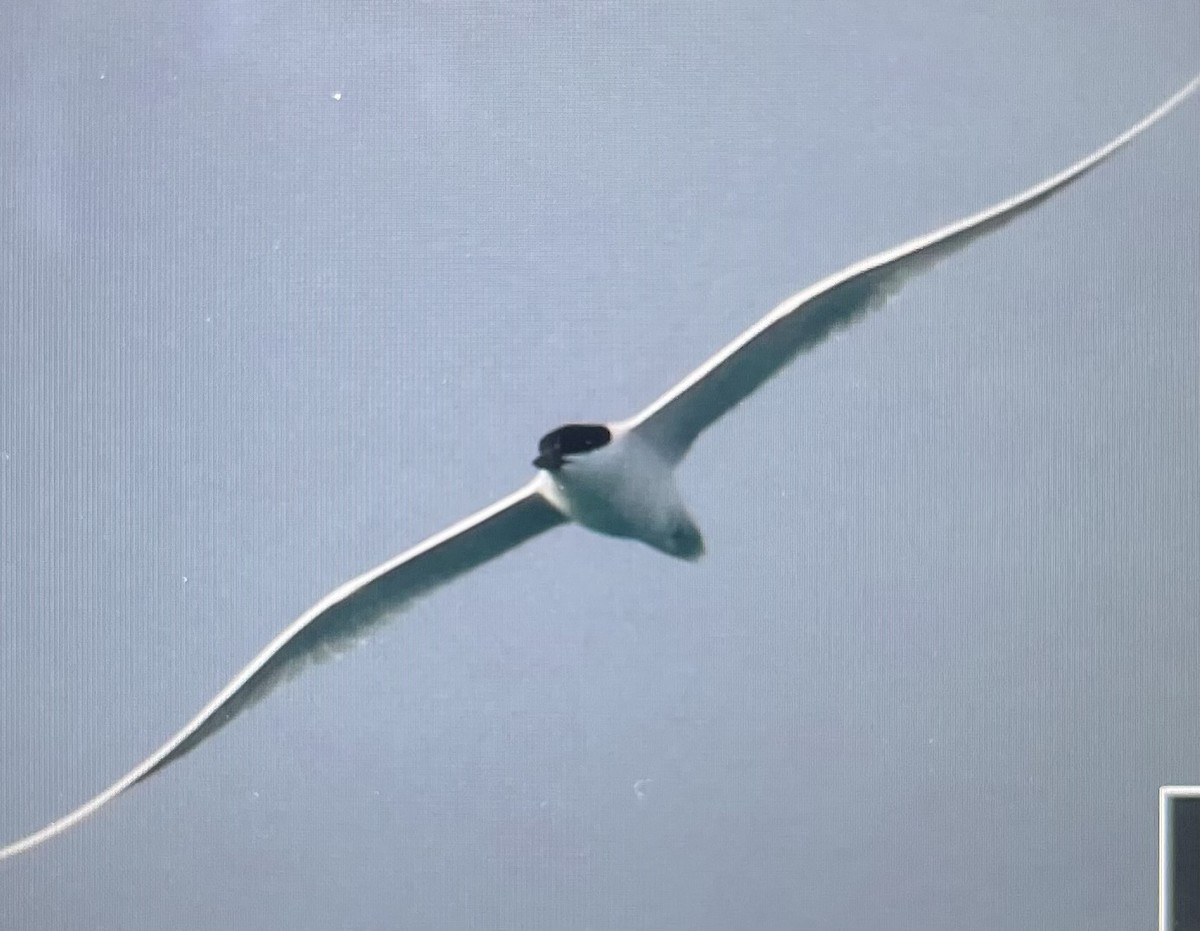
x=624 y=489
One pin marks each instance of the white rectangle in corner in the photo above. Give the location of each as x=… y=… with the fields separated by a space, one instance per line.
x=1179 y=858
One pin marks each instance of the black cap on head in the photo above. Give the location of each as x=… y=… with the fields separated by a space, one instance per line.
x=572 y=439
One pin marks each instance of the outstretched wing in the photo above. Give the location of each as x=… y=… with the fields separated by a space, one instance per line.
x=339 y=620
x=673 y=422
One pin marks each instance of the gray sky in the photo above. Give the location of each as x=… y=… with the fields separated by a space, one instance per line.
x=256 y=338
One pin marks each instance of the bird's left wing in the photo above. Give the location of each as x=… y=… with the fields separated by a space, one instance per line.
x=340 y=619
x=672 y=423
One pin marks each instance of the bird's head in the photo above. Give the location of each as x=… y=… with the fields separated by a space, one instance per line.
x=573 y=439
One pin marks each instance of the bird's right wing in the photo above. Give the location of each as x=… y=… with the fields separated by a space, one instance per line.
x=802 y=321
x=342 y=618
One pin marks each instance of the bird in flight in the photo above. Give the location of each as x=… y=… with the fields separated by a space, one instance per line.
x=615 y=478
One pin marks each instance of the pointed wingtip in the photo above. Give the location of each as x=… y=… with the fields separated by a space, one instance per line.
x=54 y=828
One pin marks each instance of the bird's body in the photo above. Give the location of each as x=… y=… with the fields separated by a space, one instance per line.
x=625 y=488
x=614 y=478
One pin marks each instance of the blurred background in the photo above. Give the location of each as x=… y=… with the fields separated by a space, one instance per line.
x=285 y=288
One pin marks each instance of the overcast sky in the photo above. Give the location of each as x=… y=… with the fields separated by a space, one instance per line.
x=287 y=287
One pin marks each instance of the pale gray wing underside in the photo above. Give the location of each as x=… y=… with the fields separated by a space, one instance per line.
x=342 y=618
x=805 y=319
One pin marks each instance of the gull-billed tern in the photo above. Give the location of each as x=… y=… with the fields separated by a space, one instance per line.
x=616 y=478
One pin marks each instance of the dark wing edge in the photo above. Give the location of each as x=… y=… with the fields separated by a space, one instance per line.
x=339 y=620
x=805 y=319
